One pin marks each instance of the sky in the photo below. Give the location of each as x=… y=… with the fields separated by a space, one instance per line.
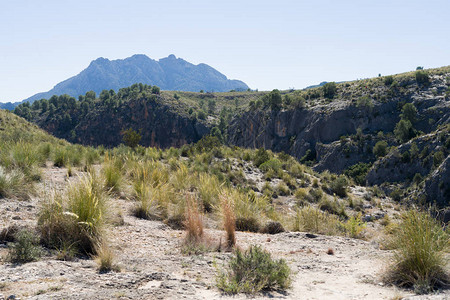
x=267 y=44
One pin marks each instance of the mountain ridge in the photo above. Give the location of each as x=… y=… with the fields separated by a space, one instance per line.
x=169 y=73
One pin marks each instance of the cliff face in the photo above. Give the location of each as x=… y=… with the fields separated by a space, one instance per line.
x=157 y=123
x=324 y=129
x=300 y=130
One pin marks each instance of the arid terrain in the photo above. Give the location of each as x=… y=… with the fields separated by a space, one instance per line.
x=153 y=267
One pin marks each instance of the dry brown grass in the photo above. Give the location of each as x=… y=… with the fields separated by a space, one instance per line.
x=195 y=241
x=229 y=219
x=105 y=259
x=193 y=222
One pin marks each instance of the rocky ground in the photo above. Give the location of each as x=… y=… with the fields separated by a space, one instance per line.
x=153 y=267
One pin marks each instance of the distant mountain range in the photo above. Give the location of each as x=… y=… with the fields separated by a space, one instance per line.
x=168 y=73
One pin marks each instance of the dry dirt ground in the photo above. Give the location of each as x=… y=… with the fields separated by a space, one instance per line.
x=152 y=266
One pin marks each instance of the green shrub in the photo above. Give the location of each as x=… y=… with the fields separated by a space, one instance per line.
x=354 y=226
x=358 y=172
x=396 y=194
x=332 y=206
x=380 y=148
x=388 y=80
x=422 y=77
x=25 y=248
x=338 y=186
x=272 y=164
x=60 y=157
x=131 y=138
x=438 y=158
x=253 y=271
x=404 y=131
x=261 y=157
x=329 y=90
x=249 y=223
x=419 y=261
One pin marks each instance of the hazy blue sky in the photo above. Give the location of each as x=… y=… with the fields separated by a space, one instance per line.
x=268 y=44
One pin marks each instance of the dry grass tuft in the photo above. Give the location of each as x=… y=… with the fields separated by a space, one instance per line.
x=229 y=219
x=105 y=259
x=195 y=241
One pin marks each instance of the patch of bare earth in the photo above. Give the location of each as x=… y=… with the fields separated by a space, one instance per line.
x=152 y=266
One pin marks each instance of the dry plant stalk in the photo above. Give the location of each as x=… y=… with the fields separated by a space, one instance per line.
x=229 y=219
x=193 y=221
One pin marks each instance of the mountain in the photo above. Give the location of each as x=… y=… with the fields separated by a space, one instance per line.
x=168 y=73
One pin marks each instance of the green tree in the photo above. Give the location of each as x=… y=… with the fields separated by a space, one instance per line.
x=131 y=138
x=403 y=130
x=215 y=131
x=275 y=100
x=329 y=90
x=211 y=106
x=409 y=112
x=380 y=149
x=90 y=95
x=155 y=90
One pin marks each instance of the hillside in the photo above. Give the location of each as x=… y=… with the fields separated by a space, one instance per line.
x=168 y=73
x=80 y=222
x=352 y=127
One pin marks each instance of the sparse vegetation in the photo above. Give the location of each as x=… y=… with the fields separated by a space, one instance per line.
x=25 y=248
x=253 y=271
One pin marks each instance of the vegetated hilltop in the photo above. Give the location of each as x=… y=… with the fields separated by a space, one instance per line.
x=344 y=127
x=169 y=73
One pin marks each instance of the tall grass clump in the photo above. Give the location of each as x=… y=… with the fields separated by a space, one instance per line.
x=420 y=260
x=105 y=259
x=112 y=172
x=229 y=219
x=208 y=189
x=249 y=210
x=151 y=202
x=253 y=271
x=13 y=184
x=313 y=220
x=195 y=240
x=76 y=218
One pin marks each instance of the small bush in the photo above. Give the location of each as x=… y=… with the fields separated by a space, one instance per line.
x=422 y=77
x=25 y=248
x=261 y=157
x=250 y=224
x=419 y=260
x=253 y=271
x=338 y=186
x=272 y=227
x=388 y=80
x=329 y=90
x=354 y=226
